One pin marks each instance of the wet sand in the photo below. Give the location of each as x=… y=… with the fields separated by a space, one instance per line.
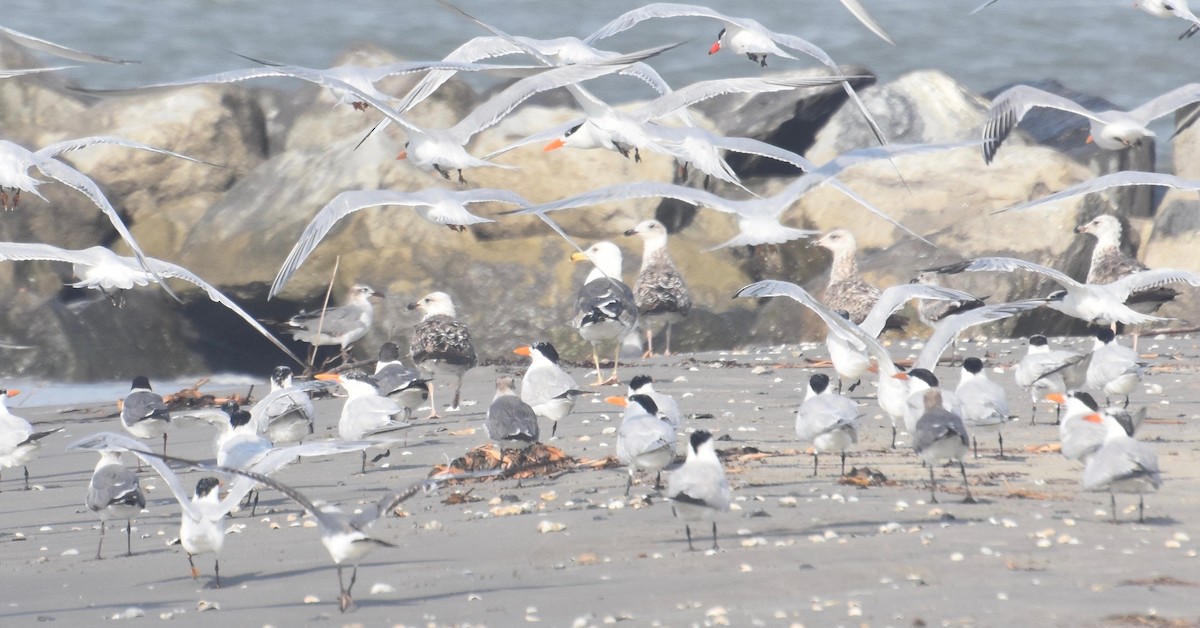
x=796 y=550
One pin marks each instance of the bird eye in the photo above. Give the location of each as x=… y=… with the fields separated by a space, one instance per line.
x=571 y=131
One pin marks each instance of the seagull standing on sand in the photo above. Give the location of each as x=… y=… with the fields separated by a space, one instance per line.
x=202 y=526
x=18 y=442
x=662 y=297
x=345 y=536
x=398 y=381
x=1080 y=439
x=441 y=345
x=1114 y=368
x=846 y=290
x=827 y=419
x=668 y=408
x=546 y=387
x=289 y=416
x=984 y=403
x=940 y=435
x=605 y=309
x=698 y=489
x=114 y=493
x=143 y=412
x=1121 y=465
x=366 y=415
x=645 y=438
x=341 y=325
x=920 y=381
x=511 y=423
x=1110 y=263
x=1041 y=372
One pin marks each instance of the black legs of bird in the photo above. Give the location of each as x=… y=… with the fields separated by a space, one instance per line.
x=344 y=599
x=216 y=570
x=761 y=60
x=446 y=175
x=688 y=530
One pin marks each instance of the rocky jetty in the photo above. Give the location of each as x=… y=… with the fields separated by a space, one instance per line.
x=284 y=154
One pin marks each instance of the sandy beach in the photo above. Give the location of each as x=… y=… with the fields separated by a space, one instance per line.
x=572 y=551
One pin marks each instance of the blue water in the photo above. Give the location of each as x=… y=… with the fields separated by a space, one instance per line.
x=1100 y=46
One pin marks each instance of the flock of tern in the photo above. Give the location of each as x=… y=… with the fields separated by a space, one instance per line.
x=377 y=412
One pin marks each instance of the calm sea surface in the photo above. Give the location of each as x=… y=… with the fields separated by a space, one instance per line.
x=1101 y=46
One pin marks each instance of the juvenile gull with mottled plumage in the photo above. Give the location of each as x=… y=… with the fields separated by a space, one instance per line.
x=847 y=290
x=441 y=344
x=663 y=298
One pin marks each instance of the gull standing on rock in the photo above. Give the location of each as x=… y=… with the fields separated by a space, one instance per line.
x=114 y=493
x=605 y=309
x=396 y=380
x=18 y=442
x=341 y=325
x=143 y=412
x=645 y=438
x=1114 y=368
x=1121 y=465
x=662 y=296
x=546 y=387
x=940 y=435
x=698 y=489
x=984 y=403
x=441 y=345
x=827 y=419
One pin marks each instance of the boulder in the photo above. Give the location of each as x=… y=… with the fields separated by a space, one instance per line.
x=788 y=119
x=924 y=107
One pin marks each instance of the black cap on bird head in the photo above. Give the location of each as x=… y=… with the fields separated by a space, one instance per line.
x=698 y=438
x=206 y=485
x=281 y=374
x=640 y=380
x=973 y=365
x=1038 y=340
x=547 y=350
x=926 y=376
x=1087 y=400
x=818 y=382
x=646 y=402
x=141 y=381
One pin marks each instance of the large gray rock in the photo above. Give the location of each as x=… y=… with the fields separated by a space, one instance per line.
x=925 y=107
